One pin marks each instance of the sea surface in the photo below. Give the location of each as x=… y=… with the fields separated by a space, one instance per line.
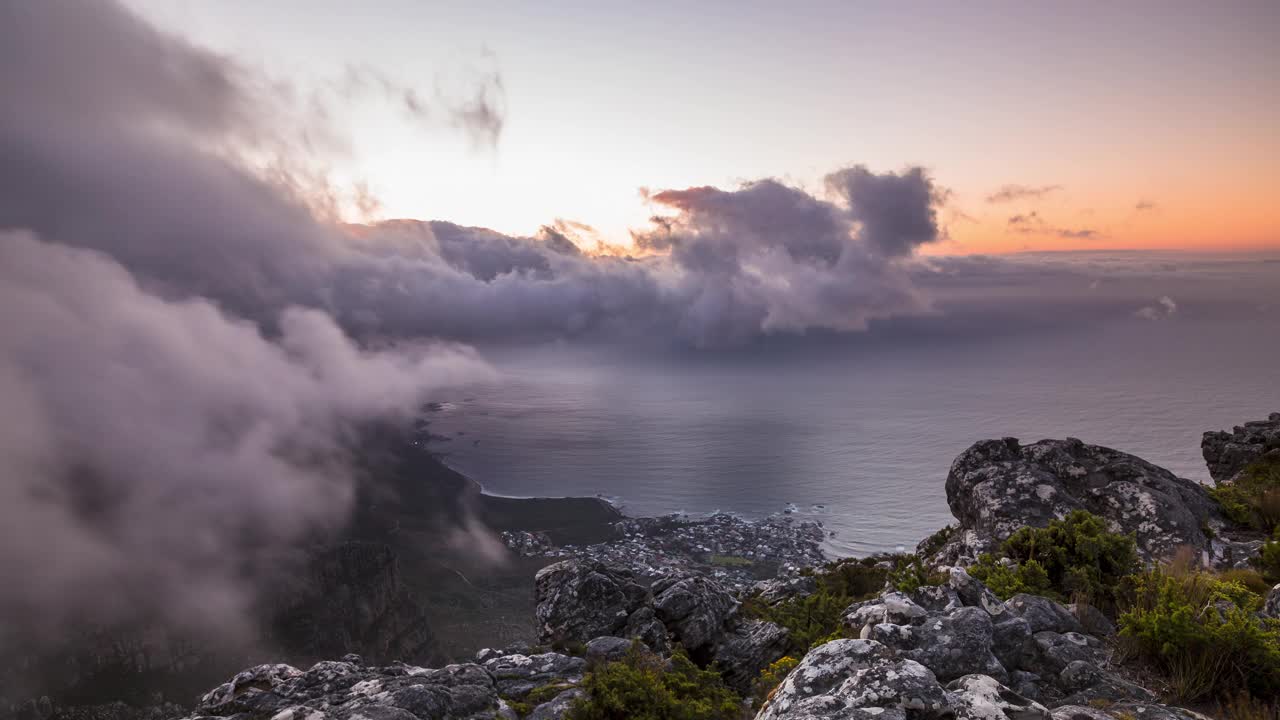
x=858 y=435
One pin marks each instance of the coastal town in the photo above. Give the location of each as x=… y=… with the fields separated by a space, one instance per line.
x=734 y=550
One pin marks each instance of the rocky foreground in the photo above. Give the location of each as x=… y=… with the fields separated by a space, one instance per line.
x=951 y=649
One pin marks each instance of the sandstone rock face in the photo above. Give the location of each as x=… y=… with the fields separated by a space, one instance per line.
x=580 y=601
x=998 y=486
x=1227 y=453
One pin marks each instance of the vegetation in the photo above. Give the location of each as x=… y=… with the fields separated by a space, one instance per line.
x=643 y=686
x=1203 y=633
x=910 y=573
x=934 y=542
x=815 y=618
x=1269 y=559
x=1073 y=557
x=771 y=677
x=1253 y=499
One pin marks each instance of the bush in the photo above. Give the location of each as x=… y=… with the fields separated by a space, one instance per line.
x=909 y=574
x=1202 y=633
x=1073 y=557
x=1253 y=499
x=642 y=686
x=771 y=677
x=816 y=618
x=1268 y=561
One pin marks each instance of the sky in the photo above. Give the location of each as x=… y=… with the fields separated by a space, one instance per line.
x=1135 y=125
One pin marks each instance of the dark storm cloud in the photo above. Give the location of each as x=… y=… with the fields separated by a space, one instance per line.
x=1011 y=193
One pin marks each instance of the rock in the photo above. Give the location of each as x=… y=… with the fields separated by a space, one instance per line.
x=1010 y=639
x=978 y=697
x=607 y=649
x=937 y=598
x=556 y=708
x=1124 y=711
x=694 y=609
x=578 y=601
x=515 y=675
x=973 y=593
x=1228 y=453
x=346 y=691
x=854 y=679
x=1092 y=620
x=1271 y=607
x=951 y=646
x=775 y=590
x=998 y=486
x=750 y=648
x=1054 y=651
x=1042 y=614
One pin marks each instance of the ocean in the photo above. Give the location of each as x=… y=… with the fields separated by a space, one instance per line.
x=858 y=435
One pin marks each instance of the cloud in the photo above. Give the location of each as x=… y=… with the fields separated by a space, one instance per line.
x=1163 y=307
x=1012 y=193
x=1145 y=206
x=1033 y=224
x=166 y=452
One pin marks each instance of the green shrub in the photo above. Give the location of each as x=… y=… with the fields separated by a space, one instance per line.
x=1268 y=561
x=1075 y=556
x=1202 y=633
x=1253 y=499
x=771 y=677
x=816 y=618
x=642 y=686
x=934 y=542
x=909 y=574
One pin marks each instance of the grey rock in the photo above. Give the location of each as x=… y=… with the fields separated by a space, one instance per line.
x=607 y=649
x=1055 y=651
x=1011 y=640
x=1144 y=710
x=515 y=675
x=578 y=601
x=973 y=593
x=937 y=598
x=556 y=708
x=1271 y=608
x=775 y=590
x=1044 y=614
x=694 y=609
x=1025 y=683
x=1092 y=620
x=750 y=648
x=856 y=678
x=346 y=690
x=978 y=697
x=998 y=486
x=951 y=646
x=1228 y=453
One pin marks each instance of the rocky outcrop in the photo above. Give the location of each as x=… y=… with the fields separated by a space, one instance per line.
x=998 y=486
x=347 y=689
x=957 y=651
x=1227 y=453
x=580 y=601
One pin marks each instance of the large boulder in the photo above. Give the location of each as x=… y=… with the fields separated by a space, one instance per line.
x=579 y=602
x=1227 y=453
x=998 y=486
x=1271 y=607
